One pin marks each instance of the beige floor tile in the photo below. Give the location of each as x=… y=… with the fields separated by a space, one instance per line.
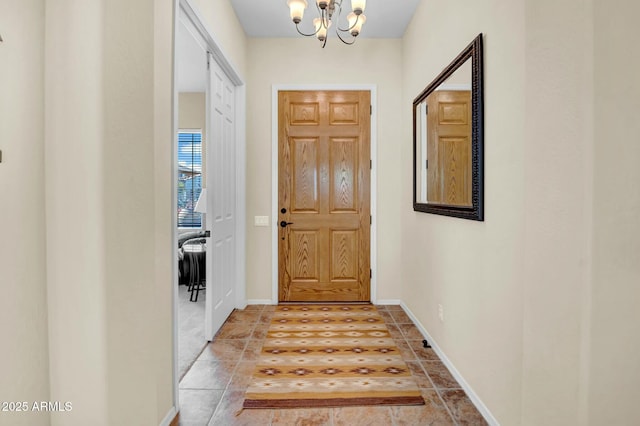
x=254 y=307
x=462 y=408
x=422 y=353
x=223 y=350
x=244 y=317
x=421 y=378
x=405 y=350
x=362 y=416
x=393 y=307
x=230 y=412
x=260 y=331
x=432 y=413
x=302 y=417
x=252 y=351
x=386 y=316
x=208 y=375
x=400 y=317
x=395 y=332
x=242 y=375
x=197 y=406
x=440 y=375
x=410 y=332
x=231 y=330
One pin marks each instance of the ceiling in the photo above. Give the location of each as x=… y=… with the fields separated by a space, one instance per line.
x=270 y=18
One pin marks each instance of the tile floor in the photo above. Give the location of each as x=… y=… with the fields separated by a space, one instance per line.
x=212 y=391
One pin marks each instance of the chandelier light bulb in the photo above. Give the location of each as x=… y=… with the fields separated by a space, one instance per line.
x=321 y=28
x=355 y=23
x=296 y=8
x=358 y=6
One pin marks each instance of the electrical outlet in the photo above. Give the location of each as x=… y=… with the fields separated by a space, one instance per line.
x=441 y=313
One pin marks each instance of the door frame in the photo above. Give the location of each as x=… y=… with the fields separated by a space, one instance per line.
x=275 y=89
x=213 y=46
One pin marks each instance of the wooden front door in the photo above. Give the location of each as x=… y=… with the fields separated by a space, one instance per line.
x=324 y=196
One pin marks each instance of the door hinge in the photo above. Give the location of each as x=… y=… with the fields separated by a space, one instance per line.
x=426 y=110
x=208 y=59
x=370 y=274
x=370 y=109
x=370 y=220
x=426 y=164
x=370 y=164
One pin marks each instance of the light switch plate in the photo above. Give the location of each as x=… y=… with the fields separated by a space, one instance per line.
x=261 y=220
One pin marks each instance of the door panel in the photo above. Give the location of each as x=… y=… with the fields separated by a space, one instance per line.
x=324 y=184
x=305 y=175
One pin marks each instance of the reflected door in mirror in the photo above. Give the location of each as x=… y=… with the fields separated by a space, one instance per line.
x=449 y=148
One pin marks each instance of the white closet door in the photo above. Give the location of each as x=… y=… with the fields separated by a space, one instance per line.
x=221 y=199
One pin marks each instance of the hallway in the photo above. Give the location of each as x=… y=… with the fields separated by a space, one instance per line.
x=212 y=391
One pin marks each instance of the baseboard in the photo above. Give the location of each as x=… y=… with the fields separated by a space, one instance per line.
x=388 y=302
x=454 y=372
x=259 y=302
x=169 y=418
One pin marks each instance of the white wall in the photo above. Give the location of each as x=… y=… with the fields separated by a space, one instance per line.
x=541 y=319
x=109 y=281
x=474 y=269
x=558 y=186
x=221 y=20
x=192 y=115
x=24 y=369
x=614 y=370
x=303 y=61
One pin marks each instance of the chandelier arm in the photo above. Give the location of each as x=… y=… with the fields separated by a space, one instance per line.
x=304 y=34
x=343 y=40
x=324 y=43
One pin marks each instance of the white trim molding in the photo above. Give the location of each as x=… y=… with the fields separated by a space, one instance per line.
x=169 y=417
x=389 y=302
x=452 y=369
x=372 y=88
x=260 y=302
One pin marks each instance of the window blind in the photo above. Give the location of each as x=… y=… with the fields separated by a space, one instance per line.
x=189 y=178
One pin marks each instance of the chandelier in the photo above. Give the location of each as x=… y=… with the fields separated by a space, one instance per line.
x=327 y=10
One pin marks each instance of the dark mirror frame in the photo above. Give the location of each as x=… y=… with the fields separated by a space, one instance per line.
x=476 y=211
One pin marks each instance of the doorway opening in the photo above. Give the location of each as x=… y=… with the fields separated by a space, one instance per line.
x=209 y=192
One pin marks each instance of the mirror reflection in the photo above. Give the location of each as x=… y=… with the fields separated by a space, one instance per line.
x=448 y=139
x=443 y=129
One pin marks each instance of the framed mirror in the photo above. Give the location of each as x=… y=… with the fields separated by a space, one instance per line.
x=448 y=139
